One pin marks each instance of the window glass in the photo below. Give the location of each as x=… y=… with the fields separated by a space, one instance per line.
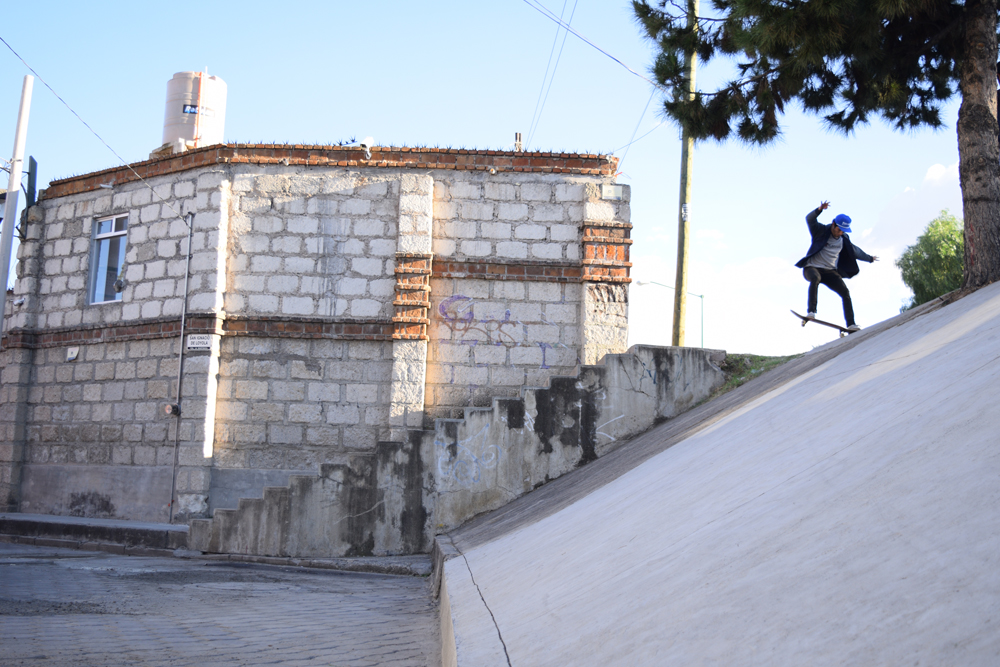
x=107 y=258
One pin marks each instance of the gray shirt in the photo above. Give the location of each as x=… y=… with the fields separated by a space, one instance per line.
x=827 y=257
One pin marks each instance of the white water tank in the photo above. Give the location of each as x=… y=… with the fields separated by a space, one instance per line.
x=196 y=110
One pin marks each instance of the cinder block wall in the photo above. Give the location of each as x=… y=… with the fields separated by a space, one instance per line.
x=506 y=298
x=97 y=441
x=347 y=300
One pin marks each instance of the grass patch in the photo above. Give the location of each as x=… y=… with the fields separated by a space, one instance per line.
x=741 y=368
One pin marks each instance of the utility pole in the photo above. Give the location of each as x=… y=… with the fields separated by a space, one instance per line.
x=684 y=214
x=14 y=188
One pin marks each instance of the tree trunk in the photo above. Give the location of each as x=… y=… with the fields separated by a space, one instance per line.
x=978 y=148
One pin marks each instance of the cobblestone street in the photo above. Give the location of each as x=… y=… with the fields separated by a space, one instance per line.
x=66 y=607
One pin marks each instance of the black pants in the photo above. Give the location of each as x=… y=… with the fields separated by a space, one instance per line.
x=831 y=279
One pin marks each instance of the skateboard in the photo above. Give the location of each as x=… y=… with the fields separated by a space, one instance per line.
x=806 y=320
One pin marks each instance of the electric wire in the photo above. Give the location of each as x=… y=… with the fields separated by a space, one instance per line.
x=554 y=67
x=632 y=140
x=541 y=90
x=534 y=4
x=115 y=153
x=641 y=136
x=534 y=128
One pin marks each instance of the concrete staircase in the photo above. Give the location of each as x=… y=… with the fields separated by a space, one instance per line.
x=396 y=499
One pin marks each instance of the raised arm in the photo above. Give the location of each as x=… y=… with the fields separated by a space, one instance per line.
x=813 y=218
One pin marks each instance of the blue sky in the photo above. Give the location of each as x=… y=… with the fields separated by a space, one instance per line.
x=469 y=74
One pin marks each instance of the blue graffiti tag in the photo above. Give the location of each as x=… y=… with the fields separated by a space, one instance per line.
x=470 y=458
x=458 y=313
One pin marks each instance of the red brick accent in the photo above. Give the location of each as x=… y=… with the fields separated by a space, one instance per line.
x=413 y=272
x=606 y=249
x=272 y=327
x=338 y=156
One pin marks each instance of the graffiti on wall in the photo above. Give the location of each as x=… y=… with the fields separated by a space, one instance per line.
x=464 y=461
x=458 y=313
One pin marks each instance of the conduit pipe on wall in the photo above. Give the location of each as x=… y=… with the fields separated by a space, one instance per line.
x=175 y=409
x=201 y=107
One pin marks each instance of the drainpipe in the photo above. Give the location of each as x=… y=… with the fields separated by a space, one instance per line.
x=175 y=409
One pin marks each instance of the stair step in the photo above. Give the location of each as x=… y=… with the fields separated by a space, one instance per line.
x=469 y=412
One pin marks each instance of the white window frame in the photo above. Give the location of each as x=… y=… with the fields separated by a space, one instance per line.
x=100 y=246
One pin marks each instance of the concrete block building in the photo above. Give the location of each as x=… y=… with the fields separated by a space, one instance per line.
x=197 y=328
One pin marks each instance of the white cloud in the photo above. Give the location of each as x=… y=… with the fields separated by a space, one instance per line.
x=938 y=173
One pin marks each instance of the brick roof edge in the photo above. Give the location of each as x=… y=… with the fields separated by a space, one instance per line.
x=338 y=156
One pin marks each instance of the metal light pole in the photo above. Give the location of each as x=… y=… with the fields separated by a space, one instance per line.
x=684 y=215
x=700 y=296
x=14 y=187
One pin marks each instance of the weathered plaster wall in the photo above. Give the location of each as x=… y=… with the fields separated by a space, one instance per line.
x=494 y=455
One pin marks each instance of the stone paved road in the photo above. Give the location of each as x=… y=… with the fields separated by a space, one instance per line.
x=63 y=607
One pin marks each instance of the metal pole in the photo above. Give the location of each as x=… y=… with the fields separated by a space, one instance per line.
x=180 y=370
x=684 y=215
x=14 y=188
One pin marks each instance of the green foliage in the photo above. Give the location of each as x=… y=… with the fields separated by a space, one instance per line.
x=741 y=368
x=933 y=265
x=847 y=59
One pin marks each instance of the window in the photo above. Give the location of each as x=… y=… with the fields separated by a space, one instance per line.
x=107 y=256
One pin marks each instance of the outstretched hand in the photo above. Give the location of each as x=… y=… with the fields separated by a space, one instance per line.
x=824 y=205
x=874 y=258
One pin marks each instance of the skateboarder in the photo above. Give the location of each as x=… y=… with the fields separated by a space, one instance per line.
x=831 y=258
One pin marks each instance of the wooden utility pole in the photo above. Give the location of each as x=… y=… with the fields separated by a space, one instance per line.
x=684 y=213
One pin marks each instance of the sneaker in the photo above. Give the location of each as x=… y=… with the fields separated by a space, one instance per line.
x=853 y=328
x=810 y=316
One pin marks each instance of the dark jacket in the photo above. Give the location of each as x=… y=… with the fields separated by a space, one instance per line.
x=847 y=263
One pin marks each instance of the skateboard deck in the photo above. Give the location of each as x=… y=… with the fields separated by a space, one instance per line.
x=806 y=320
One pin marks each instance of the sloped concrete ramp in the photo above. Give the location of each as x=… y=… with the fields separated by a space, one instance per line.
x=848 y=516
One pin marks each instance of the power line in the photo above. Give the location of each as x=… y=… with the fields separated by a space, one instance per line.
x=541 y=90
x=641 y=137
x=537 y=6
x=632 y=140
x=535 y=122
x=120 y=158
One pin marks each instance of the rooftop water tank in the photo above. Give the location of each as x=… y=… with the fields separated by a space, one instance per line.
x=196 y=110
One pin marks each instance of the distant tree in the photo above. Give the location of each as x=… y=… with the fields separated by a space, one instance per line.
x=933 y=265
x=851 y=60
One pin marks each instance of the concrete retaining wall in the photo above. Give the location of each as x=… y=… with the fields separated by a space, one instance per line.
x=495 y=455
x=397 y=498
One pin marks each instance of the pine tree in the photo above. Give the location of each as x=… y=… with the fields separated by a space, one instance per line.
x=933 y=265
x=850 y=60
